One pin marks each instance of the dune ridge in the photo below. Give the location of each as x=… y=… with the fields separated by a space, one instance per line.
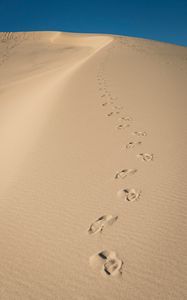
x=93 y=164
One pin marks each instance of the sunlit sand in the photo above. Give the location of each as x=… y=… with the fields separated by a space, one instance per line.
x=93 y=168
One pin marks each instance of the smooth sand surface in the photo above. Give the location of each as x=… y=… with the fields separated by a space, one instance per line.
x=92 y=168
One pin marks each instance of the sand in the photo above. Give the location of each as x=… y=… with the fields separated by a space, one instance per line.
x=93 y=168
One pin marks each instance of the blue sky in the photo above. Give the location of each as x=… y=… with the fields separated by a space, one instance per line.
x=162 y=20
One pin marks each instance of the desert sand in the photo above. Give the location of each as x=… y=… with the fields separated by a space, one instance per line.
x=93 y=168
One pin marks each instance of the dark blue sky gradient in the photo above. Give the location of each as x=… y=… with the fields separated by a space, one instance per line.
x=164 y=20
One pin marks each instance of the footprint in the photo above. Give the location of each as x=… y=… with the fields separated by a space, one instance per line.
x=97 y=260
x=100 y=223
x=113 y=265
x=129 y=194
x=118 y=107
x=125 y=119
x=140 y=133
x=145 y=157
x=110 y=114
x=107 y=262
x=123 y=126
x=131 y=145
x=124 y=173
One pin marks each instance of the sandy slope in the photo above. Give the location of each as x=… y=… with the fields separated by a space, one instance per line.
x=66 y=103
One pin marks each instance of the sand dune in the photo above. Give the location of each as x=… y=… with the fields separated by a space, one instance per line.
x=93 y=164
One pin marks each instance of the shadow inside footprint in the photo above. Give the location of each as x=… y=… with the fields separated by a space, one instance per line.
x=131 y=145
x=100 y=223
x=129 y=194
x=110 y=114
x=103 y=254
x=107 y=263
x=147 y=157
x=123 y=126
x=124 y=173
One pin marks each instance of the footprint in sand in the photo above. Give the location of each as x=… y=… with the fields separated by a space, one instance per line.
x=140 y=133
x=147 y=157
x=129 y=194
x=100 y=223
x=106 y=103
x=125 y=119
x=131 y=145
x=118 y=107
x=107 y=262
x=110 y=114
x=124 y=173
x=123 y=126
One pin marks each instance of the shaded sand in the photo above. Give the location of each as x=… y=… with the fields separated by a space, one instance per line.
x=67 y=171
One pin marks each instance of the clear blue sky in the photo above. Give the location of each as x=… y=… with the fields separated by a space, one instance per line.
x=164 y=20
